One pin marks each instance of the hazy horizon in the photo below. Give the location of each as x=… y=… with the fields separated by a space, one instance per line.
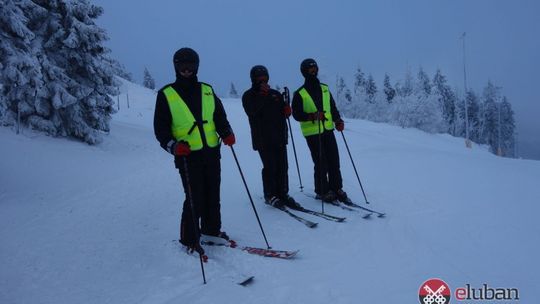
x=381 y=37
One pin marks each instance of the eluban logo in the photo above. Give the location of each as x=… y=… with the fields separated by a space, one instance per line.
x=486 y=293
x=434 y=291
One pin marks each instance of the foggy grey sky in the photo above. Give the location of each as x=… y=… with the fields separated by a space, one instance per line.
x=379 y=36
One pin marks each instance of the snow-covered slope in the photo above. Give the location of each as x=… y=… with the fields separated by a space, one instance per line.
x=97 y=224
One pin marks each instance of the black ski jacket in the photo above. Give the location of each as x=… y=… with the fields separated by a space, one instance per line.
x=266 y=118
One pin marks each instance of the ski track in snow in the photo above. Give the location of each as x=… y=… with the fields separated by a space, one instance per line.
x=99 y=224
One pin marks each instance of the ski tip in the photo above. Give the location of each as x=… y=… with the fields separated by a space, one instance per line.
x=246 y=281
x=292 y=254
x=382 y=215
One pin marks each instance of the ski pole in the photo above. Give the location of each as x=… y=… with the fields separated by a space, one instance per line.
x=320 y=159
x=288 y=101
x=250 y=199
x=354 y=167
x=193 y=216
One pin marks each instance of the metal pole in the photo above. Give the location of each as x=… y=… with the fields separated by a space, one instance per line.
x=320 y=160
x=354 y=167
x=194 y=216
x=288 y=101
x=250 y=199
x=499 y=150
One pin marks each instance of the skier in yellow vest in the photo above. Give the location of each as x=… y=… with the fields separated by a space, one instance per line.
x=314 y=107
x=189 y=120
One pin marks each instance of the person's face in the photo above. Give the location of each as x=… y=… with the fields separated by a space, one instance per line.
x=187 y=69
x=313 y=70
x=261 y=79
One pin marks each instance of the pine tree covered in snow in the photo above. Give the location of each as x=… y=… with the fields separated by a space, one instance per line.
x=343 y=94
x=119 y=69
x=232 y=92
x=359 y=81
x=371 y=90
x=56 y=72
x=490 y=116
x=148 y=80
x=508 y=126
x=447 y=100
x=20 y=75
x=389 y=91
x=473 y=112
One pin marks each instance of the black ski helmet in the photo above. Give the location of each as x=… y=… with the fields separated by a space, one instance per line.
x=186 y=56
x=257 y=71
x=306 y=64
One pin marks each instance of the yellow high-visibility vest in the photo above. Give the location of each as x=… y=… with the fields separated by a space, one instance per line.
x=311 y=127
x=184 y=126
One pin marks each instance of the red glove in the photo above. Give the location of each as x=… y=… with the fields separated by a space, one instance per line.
x=287 y=111
x=340 y=125
x=229 y=140
x=264 y=88
x=316 y=116
x=181 y=148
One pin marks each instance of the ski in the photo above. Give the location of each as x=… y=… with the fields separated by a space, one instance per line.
x=246 y=281
x=322 y=215
x=272 y=253
x=379 y=214
x=365 y=214
x=302 y=220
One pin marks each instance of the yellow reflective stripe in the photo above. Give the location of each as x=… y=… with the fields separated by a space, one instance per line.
x=183 y=120
x=311 y=127
x=208 y=108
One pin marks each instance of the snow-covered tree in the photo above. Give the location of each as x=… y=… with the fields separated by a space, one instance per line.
x=406 y=88
x=473 y=112
x=371 y=89
x=232 y=92
x=61 y=79
x=20 y=73
x=490 y=116
x=344 y=97
x=359 y=81
x=389 y=91
x=148 y=81
x=447 y=100
x=423 y=84
x=507 y=128
x=119 y=69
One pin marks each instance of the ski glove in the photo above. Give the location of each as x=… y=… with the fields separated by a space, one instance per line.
x=264 y=88
x=340 y=125
x=287 y=111
x=229 y=140
x=181 y=148
x=316 y=116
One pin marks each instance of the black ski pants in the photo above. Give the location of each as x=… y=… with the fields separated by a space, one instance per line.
x=275 y=170
x=326 y=164
x=203 y=179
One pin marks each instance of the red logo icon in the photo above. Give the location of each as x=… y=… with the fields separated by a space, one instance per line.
x=434 y=291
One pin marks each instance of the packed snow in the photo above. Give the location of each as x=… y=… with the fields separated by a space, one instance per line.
x=99 y=224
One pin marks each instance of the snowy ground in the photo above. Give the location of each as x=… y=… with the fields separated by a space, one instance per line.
x=96 y=224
